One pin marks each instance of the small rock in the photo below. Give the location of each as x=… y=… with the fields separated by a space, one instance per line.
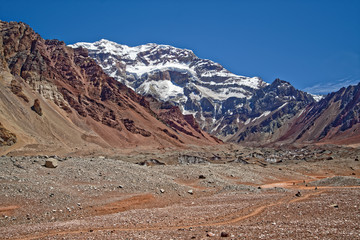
x=51 y=163
x=224 y=234
x=190 y=192
x=202 y=177
x=210 y=234
x=334 y=205
x=298 y=194
x=162 y=190
x=120 y=186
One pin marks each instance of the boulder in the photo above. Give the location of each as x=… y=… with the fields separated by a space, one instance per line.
x=51 y=163
x=36 y=107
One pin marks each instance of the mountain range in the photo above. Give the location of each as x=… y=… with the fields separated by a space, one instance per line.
x=234 y=108
x=90 y=97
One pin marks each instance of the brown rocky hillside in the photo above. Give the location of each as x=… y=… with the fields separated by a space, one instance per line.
x=56 y=99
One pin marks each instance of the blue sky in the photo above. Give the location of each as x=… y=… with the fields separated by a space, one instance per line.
x=313 y=44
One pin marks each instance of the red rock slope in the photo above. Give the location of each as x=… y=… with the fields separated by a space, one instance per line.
x=57 y=99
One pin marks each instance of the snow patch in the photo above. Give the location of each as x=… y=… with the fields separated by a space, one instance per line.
x=167 y=89
x=317 y=98
x=264 y=114
x=283 y=105
x=221 y=94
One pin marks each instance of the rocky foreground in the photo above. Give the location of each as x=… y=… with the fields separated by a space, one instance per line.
x=228 y=192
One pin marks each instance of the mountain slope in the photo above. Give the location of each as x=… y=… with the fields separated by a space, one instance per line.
x=335 y=119
x=264 y=117
x=80 y=106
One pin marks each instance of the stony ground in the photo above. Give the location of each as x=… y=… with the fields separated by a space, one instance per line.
x=234 y=193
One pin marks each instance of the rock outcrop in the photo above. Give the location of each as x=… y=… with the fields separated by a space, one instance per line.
x=7 y=138
x=36 y=107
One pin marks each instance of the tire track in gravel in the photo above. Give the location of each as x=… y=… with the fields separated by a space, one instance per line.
x=226 y=220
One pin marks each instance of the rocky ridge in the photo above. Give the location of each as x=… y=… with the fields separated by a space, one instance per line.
x=334 y=119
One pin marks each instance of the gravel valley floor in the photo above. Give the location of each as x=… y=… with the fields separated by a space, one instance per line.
x=242 y=193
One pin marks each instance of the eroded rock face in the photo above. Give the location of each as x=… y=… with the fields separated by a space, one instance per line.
x=7 y=138
x=69 y=78
x=16 y=88
x=130 y=126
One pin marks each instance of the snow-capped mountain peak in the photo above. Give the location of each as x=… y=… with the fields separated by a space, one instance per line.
x=198 y=86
